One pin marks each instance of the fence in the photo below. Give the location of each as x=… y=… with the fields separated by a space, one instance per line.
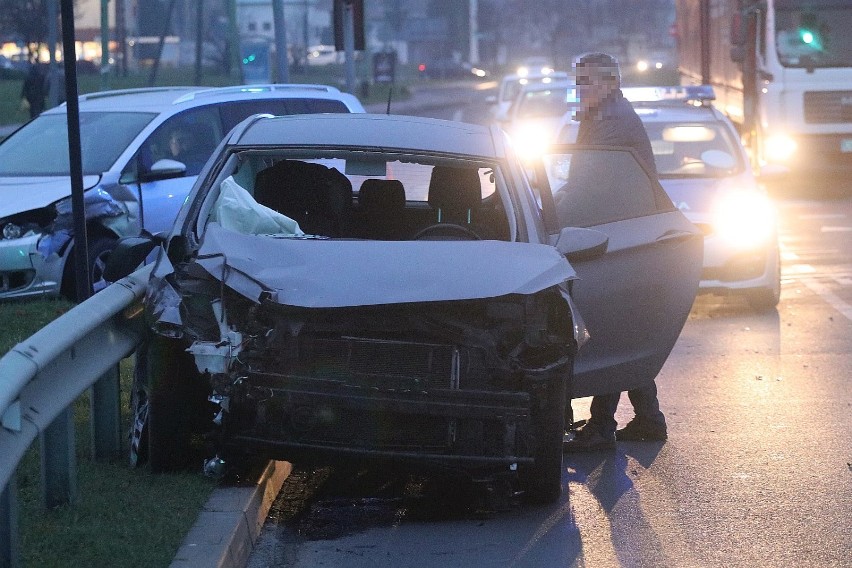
x=42 y=377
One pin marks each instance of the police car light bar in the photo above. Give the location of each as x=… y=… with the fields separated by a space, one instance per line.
x=689 y=93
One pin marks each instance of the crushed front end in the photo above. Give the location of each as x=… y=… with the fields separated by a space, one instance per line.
x=456 y=383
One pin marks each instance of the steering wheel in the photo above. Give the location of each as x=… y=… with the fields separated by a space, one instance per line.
x=446 y=231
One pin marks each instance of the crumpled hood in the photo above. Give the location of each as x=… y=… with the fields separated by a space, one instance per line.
x=322 y=273
x=19 y=194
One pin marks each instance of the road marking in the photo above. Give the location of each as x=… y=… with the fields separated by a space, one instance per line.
x=834 y=301
x=830 y=229
x=823 y=216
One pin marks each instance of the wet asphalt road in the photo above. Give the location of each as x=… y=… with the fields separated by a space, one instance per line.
x=757 y=470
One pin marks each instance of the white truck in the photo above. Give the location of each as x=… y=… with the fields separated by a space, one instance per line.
x=781 y=70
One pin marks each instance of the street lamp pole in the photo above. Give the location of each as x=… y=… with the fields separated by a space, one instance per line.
x=104 y=45
x=473 y=17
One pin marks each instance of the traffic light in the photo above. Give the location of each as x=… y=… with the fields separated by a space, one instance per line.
x=809 y=31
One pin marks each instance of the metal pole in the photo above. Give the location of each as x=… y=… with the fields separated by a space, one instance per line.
x=104 y=45
x=81 y=248
x=105 y=407
x=234 y=42
x=349 y=43
x=199 y=40
x=53 y=74
x=473 y=17
x=9 y=553
x=280 y=27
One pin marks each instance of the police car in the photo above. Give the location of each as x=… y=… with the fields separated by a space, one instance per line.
x=704 y=168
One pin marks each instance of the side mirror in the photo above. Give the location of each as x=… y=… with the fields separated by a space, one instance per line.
x=164 y=169
x=578 y=244
x=129 y=253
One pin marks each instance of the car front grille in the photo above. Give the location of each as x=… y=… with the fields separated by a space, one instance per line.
x=823 y=107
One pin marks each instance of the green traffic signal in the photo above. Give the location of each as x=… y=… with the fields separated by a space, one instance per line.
x=807 y=36
x=249 y=59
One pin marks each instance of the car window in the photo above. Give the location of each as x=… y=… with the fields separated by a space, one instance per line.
x=594 y=187
x=700 y=149
x=189 y=137
x=406 y=194
x=103 y=137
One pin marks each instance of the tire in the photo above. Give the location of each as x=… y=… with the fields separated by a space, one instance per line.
x=765 y=299
x=99 y=250
x=170 y=410
x=542 y=481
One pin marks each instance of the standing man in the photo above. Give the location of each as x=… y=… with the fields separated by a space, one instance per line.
x=607 y=118
x=34 y=91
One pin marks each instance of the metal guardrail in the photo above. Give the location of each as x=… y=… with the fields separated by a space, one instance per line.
x=42 y=377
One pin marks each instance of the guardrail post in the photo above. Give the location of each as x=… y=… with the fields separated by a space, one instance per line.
x=9 y=525
x=59 y=461
x=106 y=415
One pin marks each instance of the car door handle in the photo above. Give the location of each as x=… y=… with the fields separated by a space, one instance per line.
x=674 y=235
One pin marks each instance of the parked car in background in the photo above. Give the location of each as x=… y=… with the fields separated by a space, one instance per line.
x=536 y=115
x=132 y=178
x=706 y=171
x=393 y=288
x=324 y=55
x=511 y=85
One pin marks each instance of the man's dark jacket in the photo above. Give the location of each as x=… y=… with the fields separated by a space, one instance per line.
x=615 y=123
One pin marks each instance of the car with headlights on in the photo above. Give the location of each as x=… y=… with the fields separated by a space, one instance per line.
x=706 y=171
x=536 y=115
x=394 y=288
x=512 y=84
x=133 y=177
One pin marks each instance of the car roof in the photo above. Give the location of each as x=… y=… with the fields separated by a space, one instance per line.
x=668 y=112
x=168 y=99
x=399 y=132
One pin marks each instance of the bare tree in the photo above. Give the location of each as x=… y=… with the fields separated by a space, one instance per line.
x=26 y=20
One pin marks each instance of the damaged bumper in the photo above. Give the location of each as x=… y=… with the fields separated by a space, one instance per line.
x=25 y=272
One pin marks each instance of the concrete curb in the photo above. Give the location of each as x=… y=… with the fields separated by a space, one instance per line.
x=230 y=522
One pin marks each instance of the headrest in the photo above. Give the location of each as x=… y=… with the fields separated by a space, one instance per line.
x=382 y=194
x=305 y=186
x=454 y=190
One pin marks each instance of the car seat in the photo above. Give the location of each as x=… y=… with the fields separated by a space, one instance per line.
x=315 y=196
x=381 y=203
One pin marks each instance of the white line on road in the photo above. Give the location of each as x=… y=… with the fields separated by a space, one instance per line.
x=829 y=296
x=830 y=229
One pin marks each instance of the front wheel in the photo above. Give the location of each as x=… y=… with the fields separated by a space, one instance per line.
x=170 y=411
x=99 y=250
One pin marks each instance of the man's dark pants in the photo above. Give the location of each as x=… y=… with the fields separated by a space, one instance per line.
x=645 y=405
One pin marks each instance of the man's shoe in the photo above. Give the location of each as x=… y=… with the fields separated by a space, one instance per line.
x=589 y=440
x=638 y=430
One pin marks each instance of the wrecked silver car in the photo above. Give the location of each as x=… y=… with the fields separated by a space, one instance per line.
x=388 y=287
x=136 y=176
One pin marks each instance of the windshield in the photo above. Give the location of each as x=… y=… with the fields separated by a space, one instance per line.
x=103 y=137
x=814 y=34
x=541 y=104
x=693 y=149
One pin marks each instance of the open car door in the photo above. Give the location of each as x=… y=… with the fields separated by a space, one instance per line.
x=635 y=297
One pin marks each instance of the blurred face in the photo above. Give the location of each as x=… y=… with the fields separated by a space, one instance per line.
x=594 y=84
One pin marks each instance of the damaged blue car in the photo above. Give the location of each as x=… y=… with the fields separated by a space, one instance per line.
x=142 y=149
